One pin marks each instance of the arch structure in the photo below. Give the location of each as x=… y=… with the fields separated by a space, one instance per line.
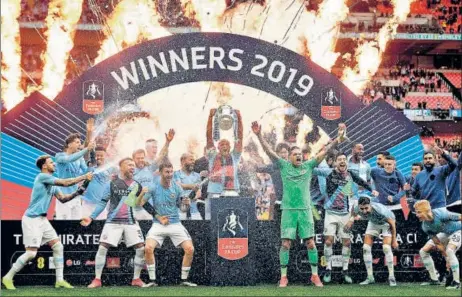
x=38 y=125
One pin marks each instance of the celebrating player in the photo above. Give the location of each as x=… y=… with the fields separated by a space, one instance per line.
x=430 y=184
x=389 y=182
x=381 y=222
x=102 y=175
x=144 y=171
x=70 y=163
x=444 y=228
x=166 y=197
x=296 y=202
x=339 y=190
x=120 y=221
x=189 y=181
x=36 y=229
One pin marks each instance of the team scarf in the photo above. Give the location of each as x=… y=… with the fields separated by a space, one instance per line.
x=223 y=171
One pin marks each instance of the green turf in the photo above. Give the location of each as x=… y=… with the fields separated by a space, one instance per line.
x=261 y=290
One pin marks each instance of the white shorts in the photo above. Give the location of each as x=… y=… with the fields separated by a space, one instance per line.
x=37 y=231
x=89 y=207
x=334 y=223
x=141 y=214
x=71 y=210
x=177 y=233
x=455 y=239
x=376 y=230
x=194 y=216
x=113 y=233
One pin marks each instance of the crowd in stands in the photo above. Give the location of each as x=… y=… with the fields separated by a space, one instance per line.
x=448 y=13
x=411 y=79
x=450 y=142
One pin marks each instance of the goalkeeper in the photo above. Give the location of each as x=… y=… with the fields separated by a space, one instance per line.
x=121 y=194
x=296 y=201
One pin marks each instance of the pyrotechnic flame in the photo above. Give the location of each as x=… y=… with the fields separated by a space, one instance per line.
x=12 y=93
x=61 y=25
x=369 y=54
x=131 y=22
x=222 y=92
x=321 y=32
x=305 y=126
x=209 y=13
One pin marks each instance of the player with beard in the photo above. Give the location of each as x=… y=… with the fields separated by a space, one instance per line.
x=167 y=197
x=36 y=229
x=144 y=171
x=444 y=228
x=382 y=222
x=430 y=184
x=120 y=221
x=189 y=181
x=297 y=216
x=381 y=158
x=101 y=177
x=223 y=165
x=69 y=164
x=339 y=190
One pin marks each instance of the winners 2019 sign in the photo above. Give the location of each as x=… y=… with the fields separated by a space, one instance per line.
x=194 y=57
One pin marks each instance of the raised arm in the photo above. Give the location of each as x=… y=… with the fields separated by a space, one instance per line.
x=67 y=182
x=210 y=143
x=452 y=164
x=324 y=171
x=256 y=128
x=164 y=151
x=341 y=136
x=65 y=158
x=240 y=133
x=90 y=130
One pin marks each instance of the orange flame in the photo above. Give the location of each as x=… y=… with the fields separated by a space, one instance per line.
x=61 y=25
x=305 y=126
x=222 y=92
x=321 y=32
x=209 y=13
x=11 y=54
x=131 y=22
x=369 y=54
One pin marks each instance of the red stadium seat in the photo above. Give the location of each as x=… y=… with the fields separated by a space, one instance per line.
x=455 y=78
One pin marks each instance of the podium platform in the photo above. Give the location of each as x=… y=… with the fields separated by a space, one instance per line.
x=231 y=260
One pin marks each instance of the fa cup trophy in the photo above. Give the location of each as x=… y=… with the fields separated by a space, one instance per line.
x=225 y=119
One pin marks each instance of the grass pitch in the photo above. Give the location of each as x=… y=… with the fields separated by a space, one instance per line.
x=403 y=289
